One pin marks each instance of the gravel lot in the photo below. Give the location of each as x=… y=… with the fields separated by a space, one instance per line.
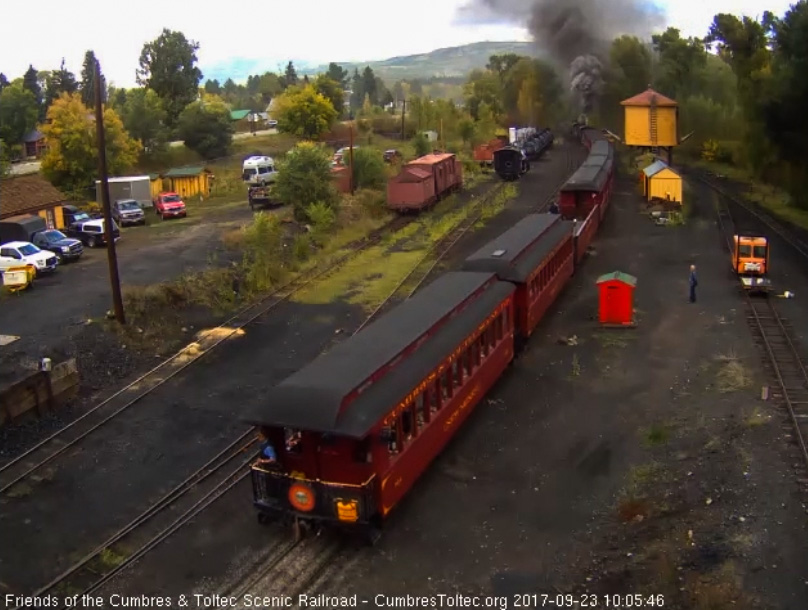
x=50 y=317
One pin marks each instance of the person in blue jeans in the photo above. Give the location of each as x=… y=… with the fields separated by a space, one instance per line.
x=693 y=283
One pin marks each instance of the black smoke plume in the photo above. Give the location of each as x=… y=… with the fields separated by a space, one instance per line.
x=574 y=34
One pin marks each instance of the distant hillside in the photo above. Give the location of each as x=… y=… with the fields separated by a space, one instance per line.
x=448 y=62
x=454 y=62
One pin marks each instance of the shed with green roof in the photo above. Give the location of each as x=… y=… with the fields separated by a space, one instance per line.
x=616 y=298
x=189 y=181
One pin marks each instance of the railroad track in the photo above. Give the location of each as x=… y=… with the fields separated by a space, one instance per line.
x=294 y=570
x=158 y=522
x=777 y=341
x=707 y=179
x=418 y=275
x=47 y=450
x=198 y=491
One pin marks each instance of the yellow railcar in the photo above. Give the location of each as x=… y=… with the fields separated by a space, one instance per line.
x=751 y=261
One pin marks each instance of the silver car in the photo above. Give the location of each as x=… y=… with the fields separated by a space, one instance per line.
x=128 y=212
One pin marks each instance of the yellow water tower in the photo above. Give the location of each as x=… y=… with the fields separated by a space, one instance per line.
x=652 y=122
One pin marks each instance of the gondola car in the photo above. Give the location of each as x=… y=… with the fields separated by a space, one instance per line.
x=510 y=163
x=537 y=256
x=354 y=429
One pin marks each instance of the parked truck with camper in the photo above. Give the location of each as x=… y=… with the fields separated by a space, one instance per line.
x=127 y=188
x=259 y=171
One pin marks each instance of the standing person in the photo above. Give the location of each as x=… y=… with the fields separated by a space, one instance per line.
x=693 y=283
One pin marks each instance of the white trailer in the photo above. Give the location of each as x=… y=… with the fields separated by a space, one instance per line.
x=127 y=187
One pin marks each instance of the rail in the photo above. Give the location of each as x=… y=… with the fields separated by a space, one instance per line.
x=198 y=490
x=44 y=452
x=773 y=334
x=209 y=483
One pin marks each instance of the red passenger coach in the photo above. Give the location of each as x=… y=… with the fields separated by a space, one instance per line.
x=537 y=255
x=354 y=429
x=584 y=234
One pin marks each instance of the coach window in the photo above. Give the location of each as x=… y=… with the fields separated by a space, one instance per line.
x=505 y=319
x=478 y=351
x=432 y=399
x=391 y=435
x=457 y=374
x=362 y=452
x=407 y=428
x=446 y=385
x=421 y=414
x=484 y=344
x=466 y=363
x=293 y=441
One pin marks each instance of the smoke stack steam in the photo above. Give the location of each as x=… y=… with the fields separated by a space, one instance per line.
x=575 y=34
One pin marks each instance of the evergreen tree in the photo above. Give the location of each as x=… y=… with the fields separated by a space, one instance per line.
x=30 y=81
x=290 y=76
x=369 y=86
x=87 y=87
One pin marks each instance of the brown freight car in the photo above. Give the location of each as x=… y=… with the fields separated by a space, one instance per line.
x=409 y=192
x=412 y=189
x=484 y=153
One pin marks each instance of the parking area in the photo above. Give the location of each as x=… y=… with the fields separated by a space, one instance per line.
x=156 y=252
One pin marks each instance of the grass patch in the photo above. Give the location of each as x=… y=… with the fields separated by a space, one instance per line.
x=774 y=200
x=575 y=366
x=110 y=559
x=757 y=418
x=20 y=490
x=656 y=435
x=732 y=375
x=616 y=339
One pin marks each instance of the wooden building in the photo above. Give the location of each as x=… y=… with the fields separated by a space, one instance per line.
x=189 y=181
x=661 y=182
x=32 y=194
x=156 y=185
x=651 y=122
x=616 y=299
x=34 y=145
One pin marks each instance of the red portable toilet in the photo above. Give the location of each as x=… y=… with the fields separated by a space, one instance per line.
x=616 y=298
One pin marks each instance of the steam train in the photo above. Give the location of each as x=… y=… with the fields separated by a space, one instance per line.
x=511 y=162
x=347 y=436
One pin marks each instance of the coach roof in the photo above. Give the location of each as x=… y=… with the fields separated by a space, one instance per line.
x=504 y=250
x=312 y=398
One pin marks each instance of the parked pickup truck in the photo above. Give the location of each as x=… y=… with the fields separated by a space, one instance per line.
x=262 y=197
x=170 y=205
x=23 y=253
x=64 y=247
x=91 y=232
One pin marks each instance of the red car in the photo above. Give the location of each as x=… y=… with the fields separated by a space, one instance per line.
x=170 y=205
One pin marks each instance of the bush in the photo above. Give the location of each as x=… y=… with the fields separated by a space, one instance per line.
x=304 y=178
x=369 y=170
x=262 y=245
x=301 y=249
x=322 y=217
x=421 y=144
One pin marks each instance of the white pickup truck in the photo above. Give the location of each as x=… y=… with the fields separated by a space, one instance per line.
x=22 y=253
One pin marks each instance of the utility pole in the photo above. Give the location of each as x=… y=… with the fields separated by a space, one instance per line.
x=112 y=257
x=350 y=145
x=403 y=115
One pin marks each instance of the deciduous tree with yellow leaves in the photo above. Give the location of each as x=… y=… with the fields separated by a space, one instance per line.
x=305 y=112
x=71 y=160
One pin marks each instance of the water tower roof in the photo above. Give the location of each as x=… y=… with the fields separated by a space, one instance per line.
x=646 y=97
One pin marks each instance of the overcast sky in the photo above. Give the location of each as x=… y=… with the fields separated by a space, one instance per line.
x=273 y=31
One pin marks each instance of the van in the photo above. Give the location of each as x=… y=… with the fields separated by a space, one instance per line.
x=259 y=171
